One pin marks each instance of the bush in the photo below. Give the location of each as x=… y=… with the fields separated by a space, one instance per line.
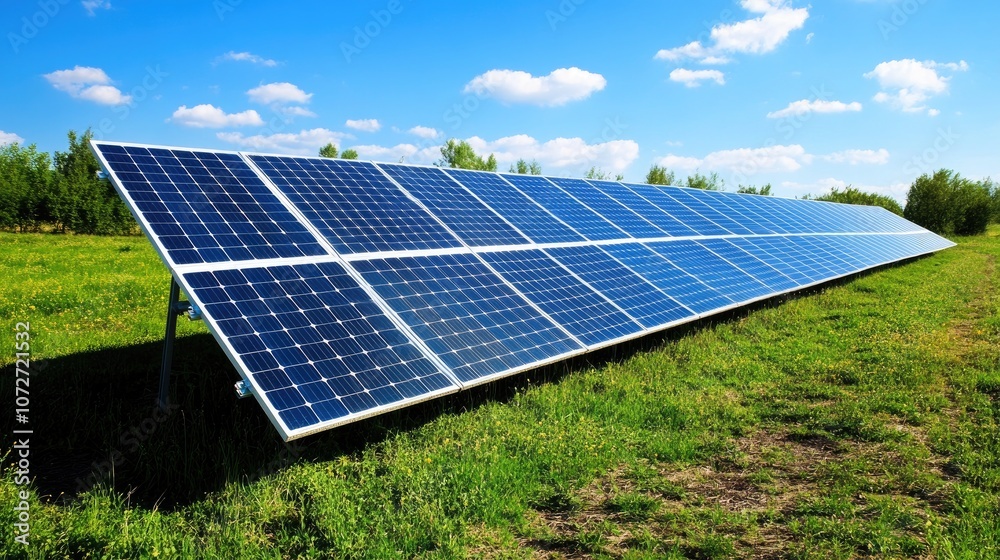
x=851 y=195
x=946 y=202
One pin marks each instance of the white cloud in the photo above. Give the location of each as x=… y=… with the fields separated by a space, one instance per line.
x=425 y=132
x=364 y=125
x=859 y=157
x=747 y=161
x=400 y=152
x=306 y=142
x=569 y=155
x=758 y=35
x=908 y=84
x=248 y=57
x=558 y=88
x=210 y=116
x=88 y=83
x=791 y=188
x=809 y=38
x=806 y=106
x=694 y=78
x=10 y=138
x=93 y=5
x=296 y=111
x=279 y=93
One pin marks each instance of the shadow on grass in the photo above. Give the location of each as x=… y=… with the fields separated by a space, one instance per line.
x=95 y=421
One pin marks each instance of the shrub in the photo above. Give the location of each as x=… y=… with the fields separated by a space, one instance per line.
x=851 y=195
x=946 y=202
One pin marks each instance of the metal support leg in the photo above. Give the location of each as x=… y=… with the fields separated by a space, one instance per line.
x=168 y=345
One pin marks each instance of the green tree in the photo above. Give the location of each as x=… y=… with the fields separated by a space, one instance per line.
x=973 y=207
x=928 y=202
x=460 y=155
x=658 y=175
x=329 y=151
x=81 y=201
x=525 y=168
x=599 y=174
x=751 y=189
x=711 y=182
x=25 y=180
x=851 y=195
x=350 y=153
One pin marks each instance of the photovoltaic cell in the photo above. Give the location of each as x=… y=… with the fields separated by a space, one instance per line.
x=466 y=314
x=206 y=207
x=756 y=268
x=612 y=210
x=711 y=269
x=354 y=205
x=533 y=220
x=317 y=346
x=695 y=200
x=628 y=198
x=587 y=315
x=659 y=198
x=473 y=222
x=640 y=299
x=566 y=208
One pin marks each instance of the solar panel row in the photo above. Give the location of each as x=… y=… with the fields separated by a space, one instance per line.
x=343 y=289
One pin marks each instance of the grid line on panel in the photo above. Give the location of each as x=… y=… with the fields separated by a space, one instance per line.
x=459 y=210
x=471 y=318
x=572 y=304
x=729 y=205
x=571 y=211
x=610 y=209
x=205 y=207
x=777 y=252
x=643 y=301
x=695 y=200
x=749 y=264
x=525 y=214
x=354 y=205
x=317 y=346
x=636 y=203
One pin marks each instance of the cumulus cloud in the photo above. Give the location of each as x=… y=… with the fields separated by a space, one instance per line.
x=410 y=153
x=758 y=35
x=210 y=116
x=791 y=188
x=10 y=138
x=909 y=84
x=364 y=125
x=560 y=87
x=279 y=93
x=694 y=78
x=805 y=106
x=859 y=157
x=296 y=111
x=93 y=5
x=425 y=132
x=89 y=84
x=305 y=142
x=233 y=56
x=773 y=159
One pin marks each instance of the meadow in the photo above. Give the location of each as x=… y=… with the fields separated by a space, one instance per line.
x=859 y=419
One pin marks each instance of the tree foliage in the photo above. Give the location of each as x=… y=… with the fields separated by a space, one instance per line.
x=349 y=153
x=599 y=174
x=851 y=195
x=526 y=168
x=329 y=151
x=460 y=155
x=752 y=189
x=711 y=182
x=659 y=175
x=946 y=202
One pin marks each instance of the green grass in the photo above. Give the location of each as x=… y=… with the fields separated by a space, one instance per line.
x=856 y=421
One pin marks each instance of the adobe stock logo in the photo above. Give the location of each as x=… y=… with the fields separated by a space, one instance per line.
x=365 y=34
x=32 y=25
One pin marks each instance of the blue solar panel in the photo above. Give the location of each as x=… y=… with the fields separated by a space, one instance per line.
x=697 y=201
x=472 y=221
x=732 y=207
x=712 y=270
x=587 y=315
x=694 y=294
x=314 y=343
x=354 y=205
x=467 y=315
x=628 y=198
x=659 y=198
x=756 y=268
x=205 y=207
x=641 y=300
x=783 y=255
x=533 y=220
x=566 y=208
x=612 y=210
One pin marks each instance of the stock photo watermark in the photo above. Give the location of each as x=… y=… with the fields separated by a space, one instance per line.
x=32 y=25
x=365 y=34
x=22 y=431
x=902 y=12
x=926 y=161
x=150 y=82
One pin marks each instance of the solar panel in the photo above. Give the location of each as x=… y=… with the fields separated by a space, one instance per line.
x=343 y=289
x=473 y=320
x=354 y=205
x=458 y=208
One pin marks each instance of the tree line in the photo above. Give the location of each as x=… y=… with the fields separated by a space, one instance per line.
x=61 y=192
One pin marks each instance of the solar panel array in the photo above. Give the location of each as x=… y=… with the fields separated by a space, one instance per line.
x=344 y=289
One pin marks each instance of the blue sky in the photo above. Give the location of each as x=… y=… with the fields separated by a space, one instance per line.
x=806 y=97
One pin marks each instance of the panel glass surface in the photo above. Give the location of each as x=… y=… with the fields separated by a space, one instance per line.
x=711 y=269
x=612 y=210
x=566 y=208
x=628 y=198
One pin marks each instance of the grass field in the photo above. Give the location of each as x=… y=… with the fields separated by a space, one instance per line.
x=856 y=421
